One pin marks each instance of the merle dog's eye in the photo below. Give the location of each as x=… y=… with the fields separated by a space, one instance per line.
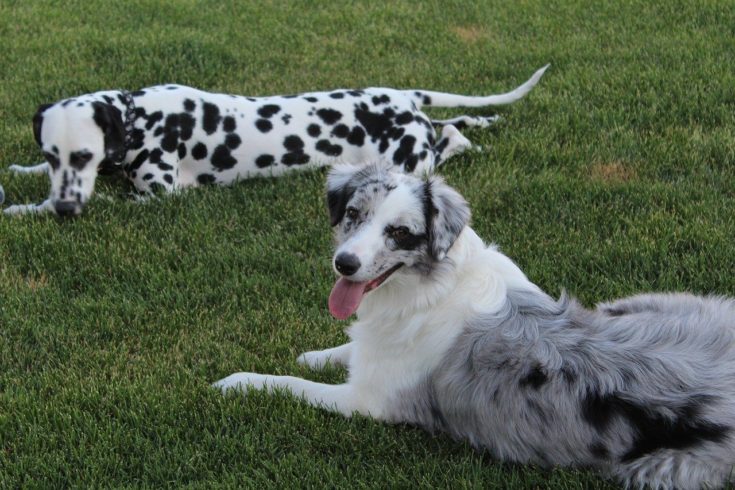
x=52 y=160
x=352 y=214
x=398 y=233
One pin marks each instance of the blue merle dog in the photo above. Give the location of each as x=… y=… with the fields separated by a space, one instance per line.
x=170 y=136
x=451 y=336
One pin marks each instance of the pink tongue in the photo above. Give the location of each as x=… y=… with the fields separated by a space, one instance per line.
x=345 y=298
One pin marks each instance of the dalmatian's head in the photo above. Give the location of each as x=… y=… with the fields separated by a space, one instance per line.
x=76 y=136
x=387 y=223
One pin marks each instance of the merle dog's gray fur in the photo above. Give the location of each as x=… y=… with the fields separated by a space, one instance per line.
x=647 y=380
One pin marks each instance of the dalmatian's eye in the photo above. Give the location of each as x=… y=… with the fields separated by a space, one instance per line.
x=352 y=214
x=398 y=233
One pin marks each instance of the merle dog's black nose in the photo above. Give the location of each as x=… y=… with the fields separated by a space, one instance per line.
x=346 y=264
x=66 y=208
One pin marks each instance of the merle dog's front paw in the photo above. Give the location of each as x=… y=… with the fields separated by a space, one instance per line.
x=241 y=382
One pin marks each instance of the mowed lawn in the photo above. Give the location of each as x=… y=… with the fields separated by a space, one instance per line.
x=614 y=176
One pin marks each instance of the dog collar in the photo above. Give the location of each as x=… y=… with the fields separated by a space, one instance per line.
x=128 y=122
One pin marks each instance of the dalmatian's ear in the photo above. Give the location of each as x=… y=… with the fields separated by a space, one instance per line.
x=340 y=189
x=447 y=213
x=109 y=119
x=38 y=122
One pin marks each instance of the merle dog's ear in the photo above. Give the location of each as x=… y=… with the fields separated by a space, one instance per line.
x=38 y=122
x=109 y=119
x=446 y=213
x=340 y=191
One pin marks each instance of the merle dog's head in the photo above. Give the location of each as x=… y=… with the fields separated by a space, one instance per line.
x=387 y=223
x=76 y=136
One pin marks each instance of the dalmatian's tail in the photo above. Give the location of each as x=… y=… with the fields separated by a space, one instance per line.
x=439 y=99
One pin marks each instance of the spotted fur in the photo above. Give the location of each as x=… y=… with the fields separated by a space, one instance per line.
x=171 y=136
x=463 y=343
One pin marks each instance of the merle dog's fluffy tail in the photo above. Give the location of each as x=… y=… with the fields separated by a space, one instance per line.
x=439 y=99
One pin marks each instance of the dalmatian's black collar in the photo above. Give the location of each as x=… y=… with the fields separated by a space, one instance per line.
x=128 y=122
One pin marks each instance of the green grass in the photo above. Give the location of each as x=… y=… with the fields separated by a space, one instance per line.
x=614 y=176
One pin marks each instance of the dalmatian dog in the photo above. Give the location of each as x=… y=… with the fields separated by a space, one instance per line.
x=170 y=137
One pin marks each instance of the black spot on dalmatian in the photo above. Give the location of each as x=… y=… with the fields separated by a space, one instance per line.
x=165 y=166
x=138 y=93
x=140 y=112
x=263 y=125
x=81 y=104
x=210 y=118
x=189 y=105
x=383 y=99
x=232 y=141
x=264 y=161
x=182 y=151
x=137 y=137
x=155 y=156
x=138 y=161
x=404 y=118
x=286 y=118
x=427 y=100
x=205 y=179
x=168 y=178
x=356 y=93
x=170 y=141
x=186 y=126
x=310 y=99
x=337 y=95
x=171 y=87
x=269 y=110
x=107 y=99
x=222 y=159
x=341 y=131
x=327 y=148
x=67 y=102
x=314 y=130
x=158 y=131
x=152 y=119
x=329 y=116
x=404 y=153
x=295 y=147
x=147 y=176
x=356 y=136
x=293 y=143
x=199 y=151
x=156 y=188
x=229 y=124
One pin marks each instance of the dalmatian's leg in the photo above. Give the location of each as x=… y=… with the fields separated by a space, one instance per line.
x=317 y=359
x=462 y=122
x=451 y=143
x=41 y=168
x=17 y=209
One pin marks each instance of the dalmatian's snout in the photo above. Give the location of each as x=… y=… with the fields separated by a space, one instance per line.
x=67 y=209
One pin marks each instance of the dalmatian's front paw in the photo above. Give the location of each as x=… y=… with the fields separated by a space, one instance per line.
x=241 y=382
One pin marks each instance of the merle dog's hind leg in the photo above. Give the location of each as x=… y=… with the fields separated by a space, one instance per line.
x=451 y=143
x=41 y=168
x=463 y=122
